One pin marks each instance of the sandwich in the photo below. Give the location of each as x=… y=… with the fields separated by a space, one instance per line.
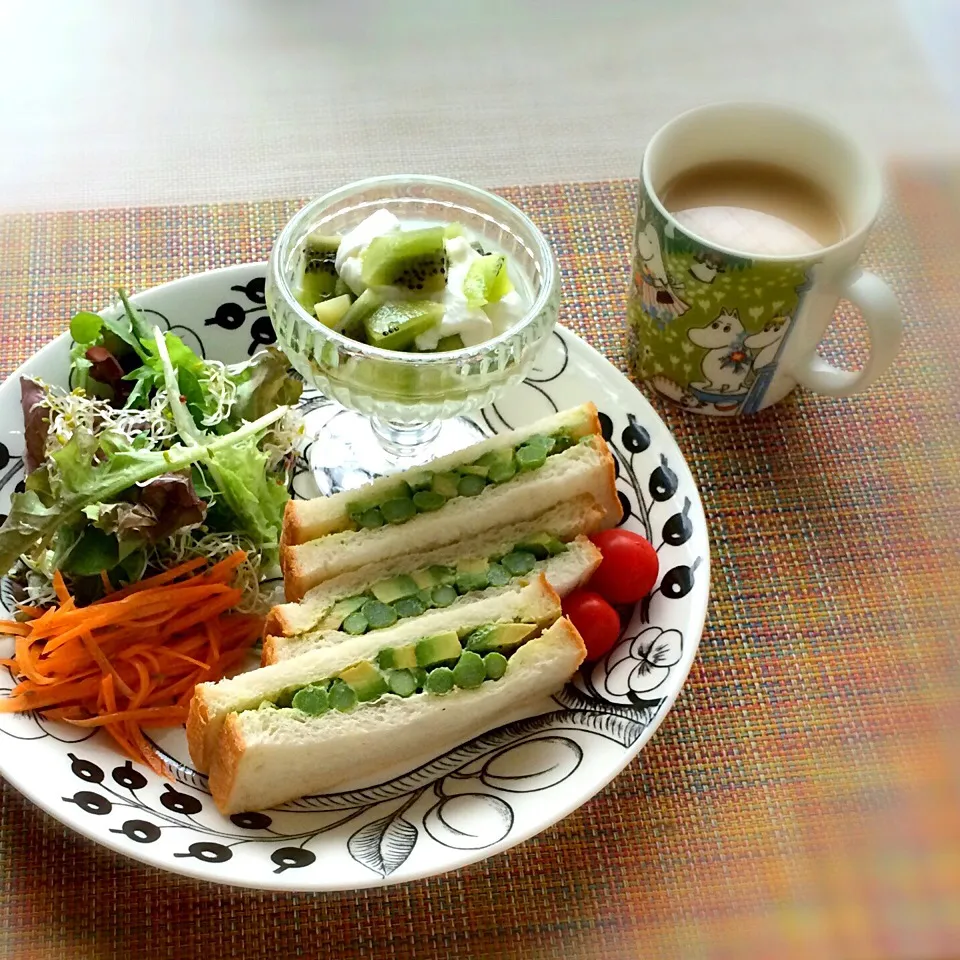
x=500 y=482
x=316 y=722
x=436 y=584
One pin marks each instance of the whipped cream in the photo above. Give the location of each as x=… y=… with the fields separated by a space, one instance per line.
x=473 y=324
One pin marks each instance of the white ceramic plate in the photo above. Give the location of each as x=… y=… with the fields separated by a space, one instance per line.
x=475 y=801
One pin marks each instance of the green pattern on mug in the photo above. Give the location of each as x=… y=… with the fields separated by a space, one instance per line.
x=707 y=327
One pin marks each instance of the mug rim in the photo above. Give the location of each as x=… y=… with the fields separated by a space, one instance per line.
x=872 y=178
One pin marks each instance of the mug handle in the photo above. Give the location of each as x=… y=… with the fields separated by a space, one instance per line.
x=880 y=310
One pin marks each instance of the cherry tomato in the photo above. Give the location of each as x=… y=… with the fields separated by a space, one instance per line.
x=596 y=621
x=629 y=568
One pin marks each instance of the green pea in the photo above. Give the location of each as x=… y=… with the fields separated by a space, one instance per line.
x=443 y=595
x=378 y=615
x=386 y=659
x=472 y=580
x=439 y=680
x=425 y=596
x=501 y=471
x=471 y=485
x=312 y=700
x=469 y=671
x=518 y=562
x=398 y=510
x=356 y=623
x=420 y=675
x=426 y=501
x=402 y=682
x=409 y=607
x=342 y=696
x=498 y=576
x=371 y=519
x=531 y=458
x=494 y=665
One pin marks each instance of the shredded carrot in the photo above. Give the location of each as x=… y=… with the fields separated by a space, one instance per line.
x=133 y=658
x=63 y=594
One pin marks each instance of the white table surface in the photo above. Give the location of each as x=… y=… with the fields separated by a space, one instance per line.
x=132 y=102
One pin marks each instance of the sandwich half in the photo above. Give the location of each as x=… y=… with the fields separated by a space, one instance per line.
x=499 y=482
x=268 y=756
x=381 y=594
x=536 y=604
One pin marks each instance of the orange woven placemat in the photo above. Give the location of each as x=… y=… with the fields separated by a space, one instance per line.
x=801 y=799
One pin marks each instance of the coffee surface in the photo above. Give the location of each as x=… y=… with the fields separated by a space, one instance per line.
x=754 y=207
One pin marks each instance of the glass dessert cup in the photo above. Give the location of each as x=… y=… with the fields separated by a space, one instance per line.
x=398 y=409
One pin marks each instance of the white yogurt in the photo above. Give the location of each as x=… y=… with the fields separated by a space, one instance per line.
x=473 y=324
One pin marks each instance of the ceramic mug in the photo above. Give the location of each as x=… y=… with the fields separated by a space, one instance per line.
x=724 y=332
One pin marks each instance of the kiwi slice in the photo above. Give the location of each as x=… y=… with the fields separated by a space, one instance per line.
x=318 y=242
x=351 y=324
x=331 y=312
x=414 y=259
x=486 y=280
x=319 y=281
x=395 y=326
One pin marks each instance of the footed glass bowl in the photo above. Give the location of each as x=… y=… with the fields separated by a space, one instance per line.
x=405 y=398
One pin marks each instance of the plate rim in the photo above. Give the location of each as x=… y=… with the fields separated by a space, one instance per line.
x=467 y=858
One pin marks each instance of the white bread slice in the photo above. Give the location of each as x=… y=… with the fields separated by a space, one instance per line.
x=563 y=521
x=564 y=573
x=535 y=602
x=306 y=520
x=267 y=757
x=585 y=468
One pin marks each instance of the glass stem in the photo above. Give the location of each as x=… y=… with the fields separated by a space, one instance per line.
x=403 y=440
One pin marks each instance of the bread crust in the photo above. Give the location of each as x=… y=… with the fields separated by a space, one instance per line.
x=198 y=717
x=606 y=494
x=226 y=763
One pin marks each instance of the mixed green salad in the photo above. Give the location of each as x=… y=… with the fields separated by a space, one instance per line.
x=154 y=456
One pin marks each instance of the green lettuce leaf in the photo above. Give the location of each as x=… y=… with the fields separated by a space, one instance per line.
x=256 y=499
x=264 y=383
x=94 y=470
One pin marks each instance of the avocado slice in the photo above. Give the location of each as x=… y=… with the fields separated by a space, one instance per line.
x=341 y=610
x=472 y=574
x=425 y=579
x=423 y=482
x=440 y=648
x=444 y=575
x=498 y=636
x=446 y=485
x=366 y=680
x=405 y=658
x=398 y=658
x=475 y=469
x=541 y=545
x=393 y=588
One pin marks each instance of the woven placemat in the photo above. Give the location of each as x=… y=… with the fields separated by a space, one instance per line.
x=801 y=799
